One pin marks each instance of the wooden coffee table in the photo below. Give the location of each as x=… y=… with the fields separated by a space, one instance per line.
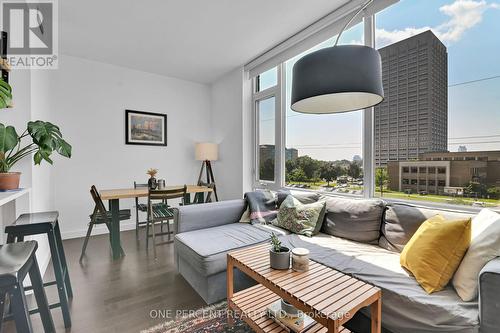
x=329 y=296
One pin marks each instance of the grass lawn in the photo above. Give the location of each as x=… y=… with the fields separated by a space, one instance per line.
x=437 y=198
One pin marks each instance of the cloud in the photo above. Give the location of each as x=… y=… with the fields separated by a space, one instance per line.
x=385 y=37
x=463 y=15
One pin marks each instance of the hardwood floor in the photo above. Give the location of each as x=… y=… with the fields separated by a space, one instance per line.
x=118 y=296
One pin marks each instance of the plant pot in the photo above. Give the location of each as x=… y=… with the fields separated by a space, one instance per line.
x=152 y=183
x=9 y=180
x=280 y=260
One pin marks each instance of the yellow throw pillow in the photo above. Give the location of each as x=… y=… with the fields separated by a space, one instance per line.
x=434 y=252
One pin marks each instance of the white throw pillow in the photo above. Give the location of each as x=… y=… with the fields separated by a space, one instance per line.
x=485 y=246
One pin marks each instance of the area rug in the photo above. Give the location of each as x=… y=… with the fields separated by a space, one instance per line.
x=205 y=320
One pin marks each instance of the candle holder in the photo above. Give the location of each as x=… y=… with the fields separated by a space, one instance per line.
x=300 y=259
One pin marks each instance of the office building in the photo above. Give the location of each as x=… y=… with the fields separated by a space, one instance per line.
x=447 y=172
x=413 y=118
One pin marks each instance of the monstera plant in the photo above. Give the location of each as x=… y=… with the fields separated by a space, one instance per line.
x=40 y=138
x=5 y=94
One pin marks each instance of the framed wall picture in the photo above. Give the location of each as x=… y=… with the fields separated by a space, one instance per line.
x=145 y=128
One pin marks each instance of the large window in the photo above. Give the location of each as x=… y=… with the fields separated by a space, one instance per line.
x=324 y=151
x=436 y=135
x=441 y=79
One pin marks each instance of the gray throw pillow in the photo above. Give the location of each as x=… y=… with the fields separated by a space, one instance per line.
x=305 y=197
x=401 y=221
x=355 y=219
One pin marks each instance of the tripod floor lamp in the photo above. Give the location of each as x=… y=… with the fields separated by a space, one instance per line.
x=207 y=152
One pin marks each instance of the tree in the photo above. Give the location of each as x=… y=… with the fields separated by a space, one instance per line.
x=328 y=171
x=476 y=188
x=298 y=175
x=493 y=192
x=309 y=165
x=381 y=179
x=354 y=170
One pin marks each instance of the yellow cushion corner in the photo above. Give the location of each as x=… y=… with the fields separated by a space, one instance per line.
x=435 y=251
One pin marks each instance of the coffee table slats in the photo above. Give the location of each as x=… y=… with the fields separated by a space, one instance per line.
x=250 y=249
x=323 y=284
x=255 y=314
x=321 y=290
x=302 y=279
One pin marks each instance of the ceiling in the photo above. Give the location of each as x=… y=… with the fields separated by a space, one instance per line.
x=196 y=40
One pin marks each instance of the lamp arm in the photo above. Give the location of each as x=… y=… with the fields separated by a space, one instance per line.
x=352 y=18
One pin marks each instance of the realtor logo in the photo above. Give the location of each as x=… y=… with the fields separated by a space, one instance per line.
x=32 y=33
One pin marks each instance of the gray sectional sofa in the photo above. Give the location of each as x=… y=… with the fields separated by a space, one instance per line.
x=359 y=237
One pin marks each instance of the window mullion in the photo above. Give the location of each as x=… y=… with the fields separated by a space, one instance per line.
x=368 y=126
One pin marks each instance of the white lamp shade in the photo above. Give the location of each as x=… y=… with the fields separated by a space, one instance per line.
x=206 y=151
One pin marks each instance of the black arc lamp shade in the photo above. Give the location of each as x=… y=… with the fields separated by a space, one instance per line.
x=337 y=79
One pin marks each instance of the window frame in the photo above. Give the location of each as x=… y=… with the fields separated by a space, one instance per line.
x=279 y=92
x=276 y=92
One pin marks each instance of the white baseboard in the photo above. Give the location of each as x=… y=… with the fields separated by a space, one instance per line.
x=98 y=230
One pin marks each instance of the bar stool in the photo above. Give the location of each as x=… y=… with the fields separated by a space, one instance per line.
x=16 y=261
x=47 y=223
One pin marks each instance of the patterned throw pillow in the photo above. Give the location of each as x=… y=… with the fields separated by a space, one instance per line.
x=303 y=219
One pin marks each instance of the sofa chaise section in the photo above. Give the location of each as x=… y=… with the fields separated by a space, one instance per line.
x=205 y=234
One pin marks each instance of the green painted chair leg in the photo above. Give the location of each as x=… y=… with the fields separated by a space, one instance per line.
x=60 y=247
x=41 y=298
x=58 y=272
x=19 y=307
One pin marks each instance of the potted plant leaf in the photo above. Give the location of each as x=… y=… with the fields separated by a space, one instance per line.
x=279 y=255
x=41 y=139
x=5 y=94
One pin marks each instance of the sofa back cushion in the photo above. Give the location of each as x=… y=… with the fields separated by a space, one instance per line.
x=401 y=221
x=305 y=197
x=355 y=219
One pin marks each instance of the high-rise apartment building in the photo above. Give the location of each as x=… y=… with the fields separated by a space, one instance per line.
x=413 y=118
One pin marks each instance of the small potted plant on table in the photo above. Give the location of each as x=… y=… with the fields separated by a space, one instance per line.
x=152 y=178
x=279 y=255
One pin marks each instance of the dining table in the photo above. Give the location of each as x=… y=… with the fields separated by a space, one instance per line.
x=115 y=195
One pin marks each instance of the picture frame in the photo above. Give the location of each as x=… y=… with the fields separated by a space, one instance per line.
x=145 y=128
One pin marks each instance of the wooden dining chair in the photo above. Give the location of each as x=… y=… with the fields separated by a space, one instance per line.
x=159 y=211
x=101 y=216
x=139 y=207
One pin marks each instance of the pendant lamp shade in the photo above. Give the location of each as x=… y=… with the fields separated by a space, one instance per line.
x=337 y=79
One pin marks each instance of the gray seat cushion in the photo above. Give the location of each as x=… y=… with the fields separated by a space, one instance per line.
x=354 y=219
x=406 y=307
x=402 y=221
x=206 y=249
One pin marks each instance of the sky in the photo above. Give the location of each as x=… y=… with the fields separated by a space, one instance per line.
x=468 y=28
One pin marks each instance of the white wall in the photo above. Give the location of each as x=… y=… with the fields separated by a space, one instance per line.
x=18 y=116
x=41 y=186
x=232 y=130
x=88 y=101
